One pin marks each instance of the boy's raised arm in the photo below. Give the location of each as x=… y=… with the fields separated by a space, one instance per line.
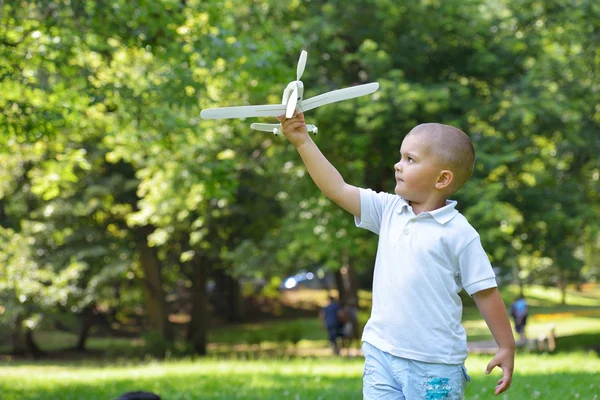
x=325 y=176
x=494 y=313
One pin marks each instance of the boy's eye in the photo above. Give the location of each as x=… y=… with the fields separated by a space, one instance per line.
x=410 y=159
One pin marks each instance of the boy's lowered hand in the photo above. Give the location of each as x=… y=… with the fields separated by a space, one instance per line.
x=294 y=129
x=505 y=359
x=492 y=309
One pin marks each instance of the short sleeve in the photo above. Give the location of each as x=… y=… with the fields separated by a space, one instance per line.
x=475 y=269
x=372 y=205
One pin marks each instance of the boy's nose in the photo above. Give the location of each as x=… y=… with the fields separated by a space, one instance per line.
x=397 y=166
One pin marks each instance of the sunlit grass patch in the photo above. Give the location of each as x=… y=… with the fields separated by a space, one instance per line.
x=204 y=379
x=315 y=298
x=557 y=316
x=539 y=376
x=60 y=340
x=544 y=296
x=562 y=376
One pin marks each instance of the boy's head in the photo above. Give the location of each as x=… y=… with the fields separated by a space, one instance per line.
x=436 y=159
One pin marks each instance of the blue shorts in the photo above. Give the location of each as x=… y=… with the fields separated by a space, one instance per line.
x=387 y=377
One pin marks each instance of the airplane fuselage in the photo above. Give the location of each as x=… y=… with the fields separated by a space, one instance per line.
x=287 y=93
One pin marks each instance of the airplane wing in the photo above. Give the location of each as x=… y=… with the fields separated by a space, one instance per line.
x=264 y=127
x=338 y=95
x=270 y=127
x=267 y=110
x=275 y=110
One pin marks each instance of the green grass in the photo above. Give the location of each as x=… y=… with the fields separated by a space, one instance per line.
x=565 y=376
x=205 y=379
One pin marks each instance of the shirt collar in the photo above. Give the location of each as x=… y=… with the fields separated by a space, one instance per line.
x=441 y=215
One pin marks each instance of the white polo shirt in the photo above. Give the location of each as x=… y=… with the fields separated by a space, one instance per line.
x=422 y=264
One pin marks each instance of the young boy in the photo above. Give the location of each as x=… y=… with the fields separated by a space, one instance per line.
x=414 y=344
x=519 y=311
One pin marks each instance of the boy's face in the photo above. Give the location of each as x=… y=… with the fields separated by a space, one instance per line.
x=417 y=171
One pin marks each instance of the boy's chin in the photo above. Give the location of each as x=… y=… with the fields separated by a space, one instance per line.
x=402 y=193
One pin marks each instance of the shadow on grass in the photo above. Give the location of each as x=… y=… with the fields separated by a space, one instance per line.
x=580 y=342
x=576 y=310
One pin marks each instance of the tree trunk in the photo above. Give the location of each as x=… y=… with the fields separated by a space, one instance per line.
x=516 y=278
x=18 y=337
x=22 y=338
x=87 y=320
x=563 y=283
x=236 y=301
x=156 y=304
x=197 y=329
x=347 y=282
x=341 y=289
x=226 y=297
x=32 y=347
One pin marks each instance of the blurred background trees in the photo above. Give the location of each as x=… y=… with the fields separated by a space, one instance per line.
x=118 y=204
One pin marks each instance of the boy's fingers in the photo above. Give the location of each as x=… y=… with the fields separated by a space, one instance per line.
x=504 y=383
x=506 y=378
x=501 y=388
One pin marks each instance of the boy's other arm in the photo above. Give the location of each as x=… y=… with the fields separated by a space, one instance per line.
x=322 y=172
x=494 y=313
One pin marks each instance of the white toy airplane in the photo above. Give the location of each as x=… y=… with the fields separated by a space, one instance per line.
x=291 y=102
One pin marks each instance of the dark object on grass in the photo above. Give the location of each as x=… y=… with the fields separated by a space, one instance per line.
x=595 y=349
x=139 y=396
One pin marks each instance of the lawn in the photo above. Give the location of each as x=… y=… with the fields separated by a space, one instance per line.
x=563 y=376
x=255 y=361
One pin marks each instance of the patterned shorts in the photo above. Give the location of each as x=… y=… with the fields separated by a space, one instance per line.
x=388 y=377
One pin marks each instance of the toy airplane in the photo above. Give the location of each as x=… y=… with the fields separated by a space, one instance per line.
x=291 y=102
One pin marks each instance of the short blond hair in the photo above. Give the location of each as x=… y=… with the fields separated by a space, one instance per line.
x=452 y=148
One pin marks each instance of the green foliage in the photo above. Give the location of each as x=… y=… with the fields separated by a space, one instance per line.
x=101 y=142
x=29 y=288
x=291 y=333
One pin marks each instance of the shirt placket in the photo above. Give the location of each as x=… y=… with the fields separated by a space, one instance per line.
x=402 y=241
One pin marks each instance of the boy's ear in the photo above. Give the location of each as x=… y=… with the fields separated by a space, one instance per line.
x=445 y=179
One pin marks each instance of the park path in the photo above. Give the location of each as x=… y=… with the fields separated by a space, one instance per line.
x=481 y=347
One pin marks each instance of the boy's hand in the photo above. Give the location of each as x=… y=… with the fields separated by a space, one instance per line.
x=505 y=359
x=492 y=309
x=294 y=129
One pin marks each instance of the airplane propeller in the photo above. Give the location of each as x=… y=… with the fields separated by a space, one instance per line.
x=291 y=104
x=292 y=101
x=301 y=64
